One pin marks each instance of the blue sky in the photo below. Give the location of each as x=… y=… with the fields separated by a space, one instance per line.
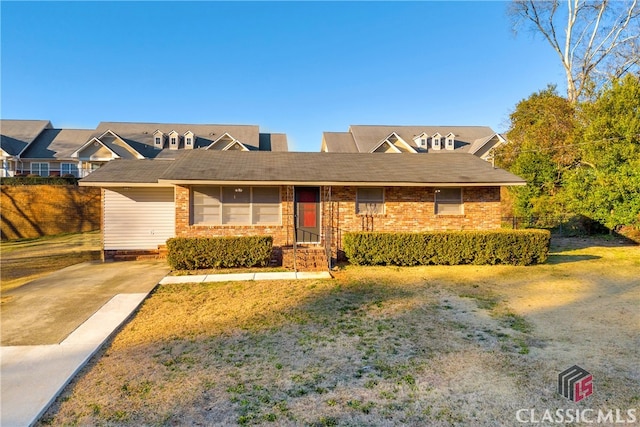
x=295 y=67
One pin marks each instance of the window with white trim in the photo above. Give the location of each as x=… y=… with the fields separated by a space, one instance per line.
x=188 y=141
x=69 y=169
x=41 y=169
x=174 y=141
x=370 y=201
x=448 y=201
x=235 y=205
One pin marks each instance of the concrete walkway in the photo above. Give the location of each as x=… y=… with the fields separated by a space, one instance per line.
x=232 y=277
x=33 y=375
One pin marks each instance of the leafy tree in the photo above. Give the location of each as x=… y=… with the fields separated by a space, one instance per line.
x=592 y=38
x=541 y=149
x=606 y=185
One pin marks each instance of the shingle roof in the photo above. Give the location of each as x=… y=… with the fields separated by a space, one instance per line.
x=129 y=171
x=57 y=143
x=339 y=142
x=273 y=142
x=15 y=135
x=142 y=133
x=320 y=168
x=366 y=137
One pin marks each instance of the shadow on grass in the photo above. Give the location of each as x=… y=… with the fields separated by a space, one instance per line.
x=563 y=259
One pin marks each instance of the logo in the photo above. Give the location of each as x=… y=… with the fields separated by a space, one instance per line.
x=575 y=383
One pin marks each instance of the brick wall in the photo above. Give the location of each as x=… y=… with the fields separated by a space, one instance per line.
x=407 y=209
x=41 y=210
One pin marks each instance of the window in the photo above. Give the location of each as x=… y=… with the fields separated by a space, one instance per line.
x=188 y=141
x=370 y=201
x=236 y=205
x=173 y=141
x=448 y=201
x=41 y=169
x=158 y=140
x=69 y=169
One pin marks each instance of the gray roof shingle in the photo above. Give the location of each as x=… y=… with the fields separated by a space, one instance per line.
x=142 y=134
x=57 y=143
x=364 y=138
x=127 y=171
x=318 y=168
x=15 y=135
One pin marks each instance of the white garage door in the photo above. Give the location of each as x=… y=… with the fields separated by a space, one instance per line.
x=138 y=218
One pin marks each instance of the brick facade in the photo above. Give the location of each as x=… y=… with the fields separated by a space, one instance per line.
x=407 y=209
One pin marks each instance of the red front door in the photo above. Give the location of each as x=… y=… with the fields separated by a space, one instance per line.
x=307 y=214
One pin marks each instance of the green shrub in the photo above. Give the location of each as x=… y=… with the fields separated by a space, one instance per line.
x=218 y=252
x=514 y=247
x=39 y=180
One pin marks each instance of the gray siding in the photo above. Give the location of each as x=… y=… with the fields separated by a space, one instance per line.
x=138 y=218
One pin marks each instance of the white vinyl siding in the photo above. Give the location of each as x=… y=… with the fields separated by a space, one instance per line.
x=448 y=201
x=138 y=218
x=235 y=206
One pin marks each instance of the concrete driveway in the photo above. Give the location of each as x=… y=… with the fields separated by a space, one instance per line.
x=52 y=326
x=48 y=309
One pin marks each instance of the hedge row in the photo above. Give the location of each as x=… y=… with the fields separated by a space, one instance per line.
x=514 y=247
x=39 y=180
x=219 y=252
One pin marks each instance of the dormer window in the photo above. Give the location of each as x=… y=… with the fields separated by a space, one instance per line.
x=189 y=138
x=158 y=140
x=436 y=141
x=421 y=140
x=450 y=143
x=174 y=140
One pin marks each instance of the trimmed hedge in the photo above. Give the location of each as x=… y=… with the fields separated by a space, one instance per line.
x=514 y=247
x=186 y=253
x=39 y=180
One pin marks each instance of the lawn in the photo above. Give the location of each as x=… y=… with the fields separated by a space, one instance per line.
x=439 y=345
x=27 y=259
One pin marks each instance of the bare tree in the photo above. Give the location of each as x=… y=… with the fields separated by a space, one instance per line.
x=593 y=39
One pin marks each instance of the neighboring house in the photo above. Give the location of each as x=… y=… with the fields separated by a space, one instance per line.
x=477 y=140
x=307 y=199
x=35 y=147
x=15 y=137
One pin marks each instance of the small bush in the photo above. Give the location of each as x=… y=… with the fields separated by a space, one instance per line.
x=219 y=252
x=514 y=247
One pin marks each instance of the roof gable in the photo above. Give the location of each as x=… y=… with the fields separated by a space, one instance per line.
x=227 y=142
x=17 y=135
x=394 y=144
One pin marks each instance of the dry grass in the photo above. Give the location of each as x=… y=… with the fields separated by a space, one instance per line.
x=465 y=345
x=25 y=260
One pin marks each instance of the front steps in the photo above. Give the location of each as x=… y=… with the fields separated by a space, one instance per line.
x=308 y=258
